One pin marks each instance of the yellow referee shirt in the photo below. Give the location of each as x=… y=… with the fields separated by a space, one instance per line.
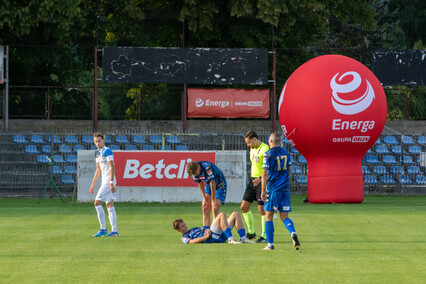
x=256 y=158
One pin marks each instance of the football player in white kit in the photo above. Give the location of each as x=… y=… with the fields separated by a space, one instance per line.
x=105 y=166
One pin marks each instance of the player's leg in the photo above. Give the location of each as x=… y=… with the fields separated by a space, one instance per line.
x=248 y=198
x=269 y=224
x=288 y=223
x=262 y=238
x=112 y=219
x=206 y=207
x=236 y=220
x=216 y=208
x=100 y=212
x=222 y=222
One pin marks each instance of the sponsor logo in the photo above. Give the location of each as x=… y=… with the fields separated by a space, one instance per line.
x=354 y=139
x=160 y=170
x=199 y=102
x=249 y=103
x=338 y=124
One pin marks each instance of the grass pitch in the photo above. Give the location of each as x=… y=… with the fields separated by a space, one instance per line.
x=382 y=240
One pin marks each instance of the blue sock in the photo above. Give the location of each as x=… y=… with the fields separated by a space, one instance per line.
x=228 y=233
x=289 y=225
x=206 y=227
x=269 y=229
x=242 y=232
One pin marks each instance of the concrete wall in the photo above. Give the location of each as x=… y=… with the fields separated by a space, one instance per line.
x=232 y=164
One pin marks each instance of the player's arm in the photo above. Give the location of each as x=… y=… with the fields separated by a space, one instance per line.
x=213 y=191
x=264 y=180
x=112 y=175
x=207 y=234
x=95 y=178
x=201 y=187
x=290 y=172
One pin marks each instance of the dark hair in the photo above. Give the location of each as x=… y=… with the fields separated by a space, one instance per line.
x=192 y=167
x=250 y=135
x=99 y=135
x=176 y=223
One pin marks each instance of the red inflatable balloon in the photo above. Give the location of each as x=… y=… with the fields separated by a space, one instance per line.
x=333 y=109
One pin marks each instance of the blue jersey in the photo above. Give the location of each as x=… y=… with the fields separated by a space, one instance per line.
x=192 y=234
x=209 y=172
x=277 y=161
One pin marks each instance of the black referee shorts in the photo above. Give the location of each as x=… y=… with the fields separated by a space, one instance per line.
x=253 y=193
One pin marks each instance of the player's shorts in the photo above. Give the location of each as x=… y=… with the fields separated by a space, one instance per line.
x=105 y=194
x=277 y=201
x=253 y=192
x=220 y=190
x=217 y=236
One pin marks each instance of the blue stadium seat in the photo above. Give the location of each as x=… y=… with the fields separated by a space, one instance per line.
x=108 y=139
x=182 y=148
x=420 y=179
x=31 y=149
x=87 y=139
x=19 y=139
x=389 y=159
x=121 y=139
x=46 y=149
x=114 y=147
x=296 y=169
x=370 y=179
x=56 y=170
x=147 y=147
x=56 y=139
x=68 y=179
x=302 y=160
x=412 y=170
x=365 y=170
x=382 y=149
x=396 y=149
x=406 y=179
x=408 y=160
x=370 y=151
x=71 y=159
x=79 y=147
x=380 y=170
x=172 y=139
x=71 y=139
x=407 y=140
x=303 y=179
x=58 y=159
x=396 y=169
x=155 y=139
x=421 y=140
x=138 y=139
x=387 y=179
x=166 y=147
x=390 y=140
x=415 y=150
x=65 y=149
x=70 y=170
x=38 y=139
x=44 y=159
x=372 y=159
x=378 y=141
x=93 y=147
x=130 y=147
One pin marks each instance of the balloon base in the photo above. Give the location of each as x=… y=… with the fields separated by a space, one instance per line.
x=337 y=189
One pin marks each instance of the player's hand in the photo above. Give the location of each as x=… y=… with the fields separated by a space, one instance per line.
x=256 y=181
x=263 y=196
x=91 y=189
x=207 y=232
x=113 y=189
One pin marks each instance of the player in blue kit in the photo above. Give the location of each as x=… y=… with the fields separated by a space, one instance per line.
x=219 y=232
x=214 y=192
x=276 y=176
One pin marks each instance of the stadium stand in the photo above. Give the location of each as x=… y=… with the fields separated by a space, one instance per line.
x=421 y=140
x=43 y=159
x=130 y=147
x=302 y=160
x=65 y=149
x=387 y=179
x=365 y=170
x=181 y=147
x=413 y=170
x=79 y=147
x=56 y=139
x=58 y=159
x=148 y=147
x=37 y=139
x=71 y=139
x=46 y=149
x=390 y=140
x=420 y=180
x=382 y=149
x=396 y=170
x=296 y=169
x=172 y=139
x=31 y=149
x=114 y=147
x=389 y=159
x=87 y=139
x=56 y=170
x=302 y=179
x=155 y=139
x=108 y=139
x=20 y=139
x=68 y=179
x=408 y=160
x=121 y=139
x=405 y=179
x=396 y=149
x=415 y=150
x=138 y=139
x=407 y=140
x=71 y=158
x=70 y=170
x=370 y=179
x=380 y=170
x=372 y=159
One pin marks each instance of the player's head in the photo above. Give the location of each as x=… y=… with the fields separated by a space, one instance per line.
x=252 y=139
x=274 y=140
x=193 y=168
x=180 y=226
x=99 y=140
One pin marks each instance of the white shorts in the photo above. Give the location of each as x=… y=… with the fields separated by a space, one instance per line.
x=105 y=194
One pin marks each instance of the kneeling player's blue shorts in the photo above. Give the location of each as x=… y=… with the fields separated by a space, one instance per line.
x=221 y=239
x=277 y=201
x=220 y=190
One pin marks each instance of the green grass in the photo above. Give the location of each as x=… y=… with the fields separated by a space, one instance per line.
x=382 y=240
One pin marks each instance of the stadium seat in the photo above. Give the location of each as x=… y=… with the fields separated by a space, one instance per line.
x=71 y=139
x=166 y=147
x=37 y=139
x=302 y=160
x=296 y=169
x=172 y=139
x=56 y=170
x=380 y=170
x=391 y=140
x=382 y=149
x=370 y=151
x=405 y=179
x=387 y=179
x=130 y=147
x=420 y=179
x=365 y=170
x=396 y=169
x=408 y=160
x=114 y=147
x=58 y=159
x=71 y=159
x=19 y=139
x=56 y=139
x=93 y=147
x=121 y=139
x=31 y=149
x=412 y=170
x=68 y=179
x=65 y=149
x=108 y=139
x=421 y=140
x=378 y=141
x=389 y=159
x=182 y=148
x=44 y=159
x=79 y=147
x=396 y=149
x=70 y=170
x=370 y=179
x=87 y=139
x=46 y=149
x=155 y=139
x=303 y=179
x=407 y=140
x=138 y=139
x=372 y=159
x=147 y=147
x=415 y=150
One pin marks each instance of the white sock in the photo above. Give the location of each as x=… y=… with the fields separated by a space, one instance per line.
x=101 y=216
x=270 y=245
x=112 y=218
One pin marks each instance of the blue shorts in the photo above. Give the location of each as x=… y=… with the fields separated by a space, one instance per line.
x=220 y=191
x=221 y=240
x=277 y=201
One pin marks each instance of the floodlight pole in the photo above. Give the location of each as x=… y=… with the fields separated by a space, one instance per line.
x=274 y=92
x=6 y=90
x=95 y=90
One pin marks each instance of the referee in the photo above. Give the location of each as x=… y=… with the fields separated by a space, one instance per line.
x=253 y=190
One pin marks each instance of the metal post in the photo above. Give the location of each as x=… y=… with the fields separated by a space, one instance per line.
x=6 y=91
x=274 y=92
x=184 y=106
x=95 y=89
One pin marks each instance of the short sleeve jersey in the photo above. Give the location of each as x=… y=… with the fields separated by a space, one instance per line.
x=209 y=172
x=192 y=234
x=102 y=158
x=256 y=158
x=277 y=161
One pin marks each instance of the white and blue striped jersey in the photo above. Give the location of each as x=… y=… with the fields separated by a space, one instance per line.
x=102 y=158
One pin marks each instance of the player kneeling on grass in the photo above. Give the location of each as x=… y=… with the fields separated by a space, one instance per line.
x=219 y=232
